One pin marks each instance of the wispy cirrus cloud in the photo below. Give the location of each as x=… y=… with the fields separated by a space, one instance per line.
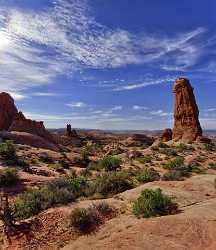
x=36 y=46
x=76 y=105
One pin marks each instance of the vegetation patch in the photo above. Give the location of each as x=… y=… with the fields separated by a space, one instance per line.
x=147 y=175
x=175 y=163
x=86 y=220
x=110 y=183
x=144 y=159
x=153 y=203
x=60 y=191
x=8 y=177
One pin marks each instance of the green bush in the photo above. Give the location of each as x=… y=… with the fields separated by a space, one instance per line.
x=60 y=191
x=168 y=151
x=212 y=165
x=104 y=209
x=173 y=175
x=162 y=145
x=175 y=163
x=112 y=183
x=8 y=152
x=109 y=163
x=8 y=177
x=147 y=175
x=144 y=159
x=153 y=203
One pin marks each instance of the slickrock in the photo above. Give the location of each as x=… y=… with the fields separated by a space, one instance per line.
x=8 y=111
x=186 y=116
x=167 y=135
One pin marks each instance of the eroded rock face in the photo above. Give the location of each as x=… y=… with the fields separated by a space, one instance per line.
x=21 y=124
x=186 y=116
x=8 y=111
x=167 y=135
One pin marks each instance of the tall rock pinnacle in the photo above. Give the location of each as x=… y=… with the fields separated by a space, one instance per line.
x=186 y=116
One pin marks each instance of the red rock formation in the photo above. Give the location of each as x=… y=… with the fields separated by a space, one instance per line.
x=167 y=135
x=71 y=132
x=21 y=124
x=186 y=125
x=8 y=111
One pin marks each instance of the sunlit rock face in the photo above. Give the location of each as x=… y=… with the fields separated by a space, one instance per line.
x=8 y=111
x=186 y=115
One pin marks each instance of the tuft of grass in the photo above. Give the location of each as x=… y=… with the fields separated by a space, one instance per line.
x=109 y=163
x=86 y=220
x=8 y=177
x=153 y=203
x=168 y=151
x=147 y=175
x=144 y=159
x=212 y=165
x=8 y=151
x=173 y=175
x=175 y=163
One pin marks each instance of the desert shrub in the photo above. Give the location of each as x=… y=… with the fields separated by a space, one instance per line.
x=162 y=145
x=183 y=147
x=86 y=172
x=168 y=151
x=144 y=159
x=94 y=166
x=63 y=163
x=209 y=146
x=8 y=151
x=111 y=183
x=85 y=220
x=104 y=209
x=195 y=168
x=8 y=177
x=56 y=167
x=173 y=175
x=175 y=163
x=153 y=203
x=60 y=191
x=147 y=175
x=154 y=148
x=212 y=165
x=44 y=157
x=109 y=163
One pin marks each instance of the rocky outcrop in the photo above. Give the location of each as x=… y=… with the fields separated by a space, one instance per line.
x=8 y=111
x=21 y=124
x=71 y=132
x=166 y=135
x=28 y=139
x=186 y=116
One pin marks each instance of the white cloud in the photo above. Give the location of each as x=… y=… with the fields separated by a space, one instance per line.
x=18 y=96
x=160 y=113
x=137 y=107
x=76 y=105
x=116 y=108
x=44 y=94
x=146 y=83
x=36 y=46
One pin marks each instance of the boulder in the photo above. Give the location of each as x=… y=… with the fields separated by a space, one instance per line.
x=8 y=111
x=166 y=135
x=186 y=116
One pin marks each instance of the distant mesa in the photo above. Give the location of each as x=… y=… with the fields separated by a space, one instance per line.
x=186 y=115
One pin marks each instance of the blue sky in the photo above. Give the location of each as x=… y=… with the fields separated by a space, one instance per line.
x=107 y=64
